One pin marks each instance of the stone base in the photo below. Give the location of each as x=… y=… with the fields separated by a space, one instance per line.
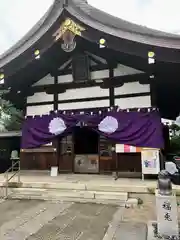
x=153 y=233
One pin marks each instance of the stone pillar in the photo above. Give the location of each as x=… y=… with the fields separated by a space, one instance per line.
x=166 y=207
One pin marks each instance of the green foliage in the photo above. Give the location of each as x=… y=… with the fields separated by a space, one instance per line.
x=175 y=144
x=175 y=139
x=175 y=129
x=10 y=117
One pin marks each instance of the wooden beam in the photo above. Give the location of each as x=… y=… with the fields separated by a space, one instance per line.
x=91 y=99
x=115 y=81
x=69 y=71
x=97 y=61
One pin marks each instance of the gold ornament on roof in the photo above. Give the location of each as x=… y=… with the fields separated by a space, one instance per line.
x=71 y=26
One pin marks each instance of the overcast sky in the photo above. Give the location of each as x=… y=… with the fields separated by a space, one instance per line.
x=18 y=16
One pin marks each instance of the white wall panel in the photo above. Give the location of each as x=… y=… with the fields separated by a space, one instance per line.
x=119 y=71
x=100 y=74
x=65 y=78
x=38 y=110
x=94 y=75
x=45 y=81
x=81 y=93
x=122 y=70
x=40 y=97
x=83 y=105
x=134 y=87
x=133 y=102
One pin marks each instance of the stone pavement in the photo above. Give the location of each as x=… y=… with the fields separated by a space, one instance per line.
x=43 y=220
x=35 y=220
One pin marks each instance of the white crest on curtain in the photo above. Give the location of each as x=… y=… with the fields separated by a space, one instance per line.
x=108 y=125
x=57 y=126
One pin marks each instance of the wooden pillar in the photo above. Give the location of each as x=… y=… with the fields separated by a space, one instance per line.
x=56 y=140
x=55 y=94
x=112 y=104
x=153 y=91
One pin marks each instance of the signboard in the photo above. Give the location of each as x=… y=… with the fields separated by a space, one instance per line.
x=86 y=164
x=167 y=215
x=150 y=161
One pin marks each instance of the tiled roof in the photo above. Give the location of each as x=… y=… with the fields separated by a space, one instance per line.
x=121 y=28
x=95 y=18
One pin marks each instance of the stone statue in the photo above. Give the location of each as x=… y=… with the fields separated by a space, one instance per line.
x=164 y=183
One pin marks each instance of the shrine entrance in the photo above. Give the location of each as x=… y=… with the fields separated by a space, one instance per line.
x=86 y=150
x=79 y=151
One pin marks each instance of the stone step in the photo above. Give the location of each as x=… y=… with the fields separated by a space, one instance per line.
x=55 y=185
x=112 y=186
x=68 y=195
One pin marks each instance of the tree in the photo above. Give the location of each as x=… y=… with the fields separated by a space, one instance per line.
x=11 y=118
x=175 y=145
x=175 y=129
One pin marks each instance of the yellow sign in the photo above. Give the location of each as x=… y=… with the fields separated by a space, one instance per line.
x=70 y=25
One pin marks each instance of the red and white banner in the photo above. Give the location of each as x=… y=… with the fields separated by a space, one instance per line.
x=122 y=148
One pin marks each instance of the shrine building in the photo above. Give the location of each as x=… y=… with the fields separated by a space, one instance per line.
x=93 y=89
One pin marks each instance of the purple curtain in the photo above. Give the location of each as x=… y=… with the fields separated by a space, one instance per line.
x=140 y=129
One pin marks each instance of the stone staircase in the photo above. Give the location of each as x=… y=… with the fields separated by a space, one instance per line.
x=72 y=192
